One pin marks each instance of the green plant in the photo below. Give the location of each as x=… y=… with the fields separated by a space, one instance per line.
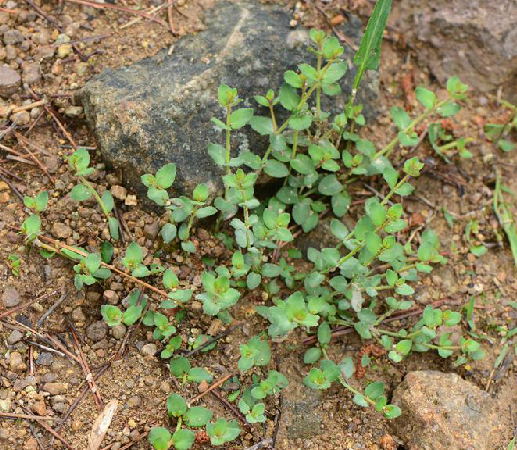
x=437 y=136
x=31 y=227
x=222 y=431
x=505 y=216
x=502 y=132
x=79 y=161
x=192 y=417
x=255 y=353
x=366 y=278
x=14 y=264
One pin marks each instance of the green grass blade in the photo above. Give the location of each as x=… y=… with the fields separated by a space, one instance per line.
x=505 y=217
x=369 y=53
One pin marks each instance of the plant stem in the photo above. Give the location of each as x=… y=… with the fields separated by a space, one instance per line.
x=397 y=186
x=273 y=117
x=278 y=131
x=391 y=146
x=355 y=391
x=228 y=155
x=180 y=422
x=293 y=153
x=318 y=90
x=86 y=183
x=191 y=220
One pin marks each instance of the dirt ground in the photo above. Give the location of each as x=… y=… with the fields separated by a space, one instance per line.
x=129 y=371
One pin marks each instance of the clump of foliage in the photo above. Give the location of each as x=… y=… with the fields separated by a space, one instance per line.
x=502 y=133
x=364 y=279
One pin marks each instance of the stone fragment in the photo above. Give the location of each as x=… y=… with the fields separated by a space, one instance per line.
x=119 y=331
x=61 y=231
x=10 y=297
x=97 y=331
x=16 y=363
x=55 y=388
x=441 y=411
x=31 y=73
x=12 y=37
x=14 y=337
x=10 y=81
x=45 y=359
x=119 y=192
x=149 y=349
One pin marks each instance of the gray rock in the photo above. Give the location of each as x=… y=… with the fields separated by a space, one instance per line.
x=10 y=81
x=12 y=37
x=474 y=39
x=49 y=377
x=14 y=337
x=60 y=408
x=45 y=359
x=31 y=73
x=158 y=110
x=10 y=297
x=97 y=331
x=441 y=411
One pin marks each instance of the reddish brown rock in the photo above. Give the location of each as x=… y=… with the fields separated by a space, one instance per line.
x=441 y=411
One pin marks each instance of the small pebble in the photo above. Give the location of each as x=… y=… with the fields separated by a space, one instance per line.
x=14 y=337
x=149 y=349
x=119 y=331
x=10 y=297
x=45 y=359
x=97 y=331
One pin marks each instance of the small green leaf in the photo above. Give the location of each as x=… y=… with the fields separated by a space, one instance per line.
x=107 y=200
x=106 y=251
x=329 y=185
x=240 y=117
x=505 y=145
x=168 y=232
x=426 y=97
x=159 y=438
x=183 y=439
x=374 y=390
x=275 y=169
x=449 y=109
x=80 y=193
x=262 y=125
x=197 y=416
x=111 y=314
x=400 y=117
x=253 y=280
x=324 y=333
x=166 y=175
x=312 y=355
x=176 y=406
x=288 y=97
